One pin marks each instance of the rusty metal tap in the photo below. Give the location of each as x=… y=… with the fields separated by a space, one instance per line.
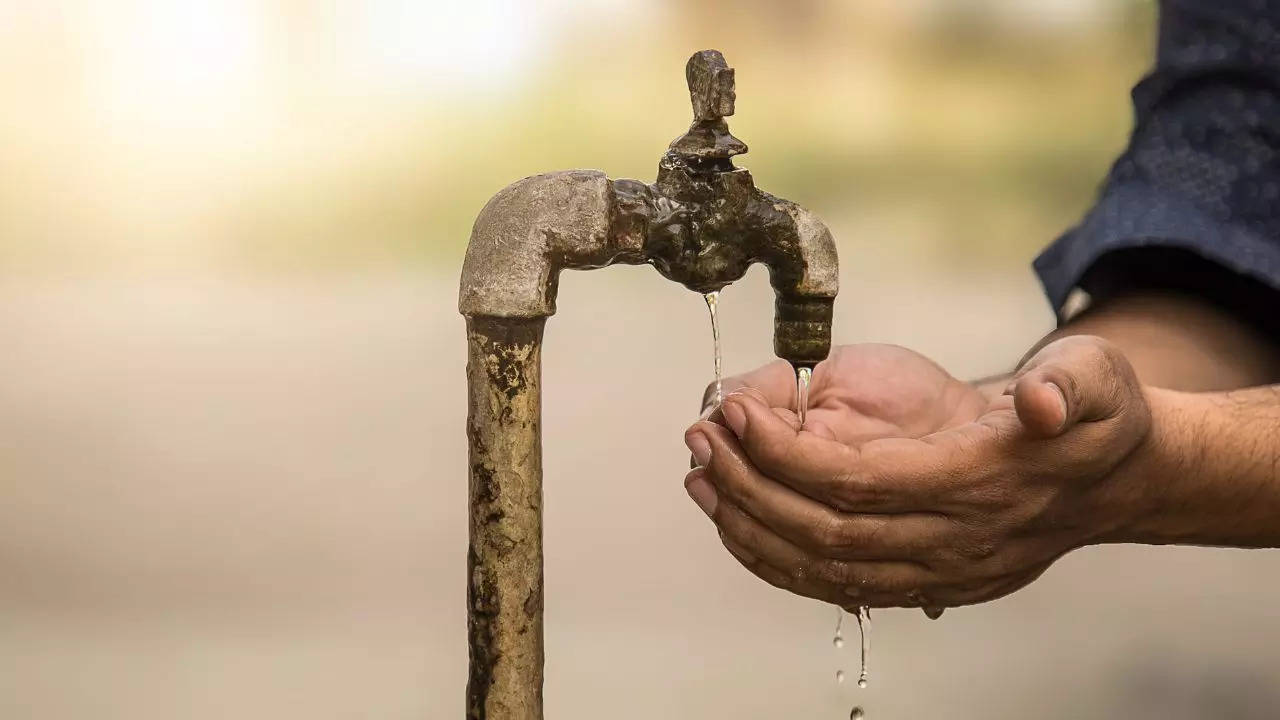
x=702 y=224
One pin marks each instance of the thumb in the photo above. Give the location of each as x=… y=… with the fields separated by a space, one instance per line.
x=1076 y=379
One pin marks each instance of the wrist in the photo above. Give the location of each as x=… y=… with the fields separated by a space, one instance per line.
x=1143 y=491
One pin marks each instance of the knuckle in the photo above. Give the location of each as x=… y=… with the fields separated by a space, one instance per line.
x=727 y=479
x=835 y=572
x=843 y=492
x=852 y=485
x=737 y=529
x=980 y=548
x=984 y=550
x=949 y=559
x=834 y=533
x=745 y=495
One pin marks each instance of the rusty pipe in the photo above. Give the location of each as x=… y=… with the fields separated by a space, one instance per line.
x=580 y=219
x=504 y=558
x=702 y=224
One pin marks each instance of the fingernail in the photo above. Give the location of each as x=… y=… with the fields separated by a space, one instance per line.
x=702 y=493
x=1062 y=398
x=700 y=448
x=734 y=416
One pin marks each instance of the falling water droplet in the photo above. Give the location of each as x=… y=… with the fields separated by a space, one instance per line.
x=838 y=640
x=864 y=629
x=803 y=376
x=856 y=713
x=713 y=302
x=933 y=612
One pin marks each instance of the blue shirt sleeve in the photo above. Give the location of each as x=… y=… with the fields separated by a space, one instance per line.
x=1200 y=179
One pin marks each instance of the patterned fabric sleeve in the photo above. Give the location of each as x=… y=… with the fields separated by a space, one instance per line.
x=1194 y=202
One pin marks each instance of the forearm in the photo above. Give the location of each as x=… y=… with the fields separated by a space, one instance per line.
x=1207 y=474
x=1180 y=342
x=1173 y=341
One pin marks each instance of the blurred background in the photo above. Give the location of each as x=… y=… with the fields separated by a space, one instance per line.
x=232 y=458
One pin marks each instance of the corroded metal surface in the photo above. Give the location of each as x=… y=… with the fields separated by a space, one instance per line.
x=504 y=562
x=532 y=229
x=702 y=224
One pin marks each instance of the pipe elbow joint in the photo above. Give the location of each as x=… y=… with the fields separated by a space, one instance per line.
x=529 y=231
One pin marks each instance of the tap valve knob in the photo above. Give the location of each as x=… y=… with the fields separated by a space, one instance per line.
x=711 y=91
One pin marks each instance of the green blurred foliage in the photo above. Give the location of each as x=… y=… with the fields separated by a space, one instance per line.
x=950 y=133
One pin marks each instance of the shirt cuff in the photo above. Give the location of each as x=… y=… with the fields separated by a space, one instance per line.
x=1131 y=215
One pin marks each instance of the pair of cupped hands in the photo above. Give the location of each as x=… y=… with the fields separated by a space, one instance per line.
x=909 y=488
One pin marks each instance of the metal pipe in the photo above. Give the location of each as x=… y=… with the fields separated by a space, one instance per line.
x=702 y=224
x=504 y=563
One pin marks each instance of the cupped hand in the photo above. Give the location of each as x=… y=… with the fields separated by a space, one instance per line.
x=969 y=510
x=863 y=392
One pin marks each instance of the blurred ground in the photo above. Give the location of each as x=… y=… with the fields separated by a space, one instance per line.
x=232 y=459
x=234 y=500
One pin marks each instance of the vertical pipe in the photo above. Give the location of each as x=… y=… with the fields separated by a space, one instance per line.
x=504 y=562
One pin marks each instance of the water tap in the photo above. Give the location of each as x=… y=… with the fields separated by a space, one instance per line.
x=701 y=224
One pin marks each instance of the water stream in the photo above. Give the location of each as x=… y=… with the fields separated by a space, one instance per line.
x=864 y=630
x=803 y=376
x=713 y=301
x=863 y=616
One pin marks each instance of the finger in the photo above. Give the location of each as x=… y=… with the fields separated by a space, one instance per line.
x=1073 y=380
x=994 y=588
x=714 y=415
x=715 y=412
x=816 y=465
x=756 y=546
x=812 y=525
x=776 y=381
x=788 y=417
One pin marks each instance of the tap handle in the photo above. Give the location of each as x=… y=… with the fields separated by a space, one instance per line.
x=708 y=143
x=711 y=85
